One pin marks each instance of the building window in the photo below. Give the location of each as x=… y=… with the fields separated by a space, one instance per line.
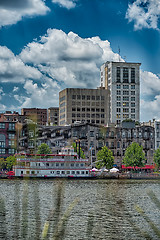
x=132 y=110
x=78 y=97
x=83 y=97
x=125 y=104
x=132 y=75
x=132 y=99
x=125 y=75
x=132 y=86
x=132 y=92
x=125 y=109
x=78 y=109
x=97 y=98
x=118 y=86
x=125 y=92
x=132 y=104
x=11 y=142
x=118 y=92
x=118 y=110
x=118 y=98
x=125 y=86
x=88 y=97
x=93 y=97
x=125 y=116
x=125 y=98
x=11 y=151
x=132 y=115
x=118 y=104
x=73 y=96
x=102 y=115
x=2 y=125
x=62 y=99
x=11 y=126
x=118 y=74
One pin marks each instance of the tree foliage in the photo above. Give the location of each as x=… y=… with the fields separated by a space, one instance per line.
x=2 y=164
x=156 y=157
x=107 y=158
x=10 y=162
x=82 y=155
x=134 y=155
x=44 y=149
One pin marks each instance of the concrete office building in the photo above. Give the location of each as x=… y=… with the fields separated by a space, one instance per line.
x=84 y=105
x=123 y=81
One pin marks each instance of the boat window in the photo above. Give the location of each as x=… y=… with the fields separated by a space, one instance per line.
x=57 y=164
x=73 y=172
x=82 y=172
x=77 y=164
x=72 y=164
x=37 y=171
x=82 y=164
x=58 y=172
x=47 y=164
x=32 y=172
x=62 y=164
x=77 y=172
x=86 y=172
x=68 y=172
x=21 y=172
x=63 y=172
x=52 y=164
x=27 y=172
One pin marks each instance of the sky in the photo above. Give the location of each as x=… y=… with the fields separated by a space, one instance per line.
x=49 y=45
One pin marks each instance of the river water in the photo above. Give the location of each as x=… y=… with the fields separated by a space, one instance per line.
x=79 y=209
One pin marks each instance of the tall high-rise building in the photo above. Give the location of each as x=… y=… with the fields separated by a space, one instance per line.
x=84 y=105
x=122 y=79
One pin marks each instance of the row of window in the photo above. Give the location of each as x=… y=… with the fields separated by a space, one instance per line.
x=126 y=110
x=125 y=98
x=125 y=86
x=88 y=121
x=125 y=104
x=125 y=92
x=11 y=126
x=59 y=172
x=10 y=151
x=125 y=75
x=88 y=104
x=88 y=109
x=83 y=115
x=88 y=97
x=61 y=164
x=126 y=116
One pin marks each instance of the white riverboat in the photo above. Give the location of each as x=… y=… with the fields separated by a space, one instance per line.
x=65 y=164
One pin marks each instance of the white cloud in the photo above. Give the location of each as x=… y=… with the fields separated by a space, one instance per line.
x=13 y=69
x=65 y=3
x=13 y=11
x=150 y=84
x=44 y=95
x=68 y=58
x=144 y=13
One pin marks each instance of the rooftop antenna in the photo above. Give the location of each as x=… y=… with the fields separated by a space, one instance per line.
x=119 y=52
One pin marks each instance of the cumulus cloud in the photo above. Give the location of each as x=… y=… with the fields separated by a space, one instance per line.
x=68 y=58
x=13 y=69
x=65 y=3
x=12 y=11
x=144 y=13
x=44 y=95
x=150 y=96
x=15 y=89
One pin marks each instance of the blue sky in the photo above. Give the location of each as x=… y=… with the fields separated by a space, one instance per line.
x=46 y=46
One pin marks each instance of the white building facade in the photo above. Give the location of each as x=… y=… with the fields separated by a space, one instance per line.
x=122 y=79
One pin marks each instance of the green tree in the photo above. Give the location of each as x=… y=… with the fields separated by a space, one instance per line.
x=105 y=158
x=44 y=149
x=10 y=162
x=156 y=157
x=2 y=163
x=82 y=155
x=134 y=156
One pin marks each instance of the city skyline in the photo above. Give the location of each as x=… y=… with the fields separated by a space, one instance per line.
x=47 y=46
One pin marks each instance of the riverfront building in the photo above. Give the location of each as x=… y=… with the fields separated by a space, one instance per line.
x=38 y=115
x=53 y=116
x=123 y=82
x=83 y=105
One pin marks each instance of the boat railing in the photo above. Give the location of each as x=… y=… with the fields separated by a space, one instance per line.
x=51 y=167
x=51 y=160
